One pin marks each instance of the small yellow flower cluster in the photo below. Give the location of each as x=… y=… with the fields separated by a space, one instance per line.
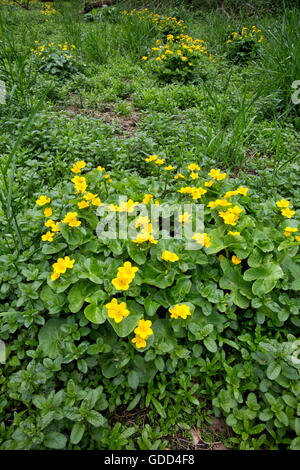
x=145 y=235
x=71 y=219
x=48 y=237
x=78 y=166
x=48 y=10
x=180 y=311
x=125 y=276
x=168 y=256
x=117 y=311
x=60 y=267
x=142 y=333
x=184 y=218
x=253 y=34
x=45 y=49
x=179 y=49
x=195 y=193
x=79 y=183
x=231 y=216
x=217 y=175
x=125 y=206
x=283 y=204
x=163 y=23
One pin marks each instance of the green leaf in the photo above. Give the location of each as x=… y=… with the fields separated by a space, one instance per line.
x=95 y=418
x=158 y=407
x=136 y=254
x=51 y=249
x=77 y=432
x=273 y=370
x=50 y=336
x=53 y=301
x=55 y=440
x=133 y=379
x=210 y=344
x=96 y=313
x=150 y=306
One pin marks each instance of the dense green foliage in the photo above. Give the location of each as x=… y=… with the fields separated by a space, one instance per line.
x=87 y=87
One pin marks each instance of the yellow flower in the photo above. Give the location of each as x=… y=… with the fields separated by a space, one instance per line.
x=194 y=175
x=159 y=161
x=219 y=202
x=120 y=283
x=54 y=276
x=43 y=200
x=144 y=329
x=203 y=239
x=283 y=203
x=289 y=230
x=48 y=212
x=236 y=260
x=179 y=175
x=53 y=225
x=243 y=191
x=83 y=204
x=48 y=237
x=186 y=190
x=60 y=266
x=147 y=198
x=217 y=175
x=80 y=183
x=96 y=202
x=297 y=238
x=117 y=311
x=100 y=168
x=168 y=256
x=231 y=193
x=139 y=342
x=197 y=193
x=71 y=220
x=184 y=218
x=180 y=311
x=127 y=270
x=69 y=262
x=287 y=212
x=144 y=57
x=169 y=168
x=89 y=196
x=77 y=167
x=233 y=233
x=208 y=184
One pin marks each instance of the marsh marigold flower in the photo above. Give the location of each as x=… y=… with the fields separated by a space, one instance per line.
x=203 y=239
x=236 y=259
x=289 y=230
x=180 y=311
x=287 y=212
x=117 y=311
x=42 y=200
x=168 y=256
x=48 y=212
x=143 y=329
